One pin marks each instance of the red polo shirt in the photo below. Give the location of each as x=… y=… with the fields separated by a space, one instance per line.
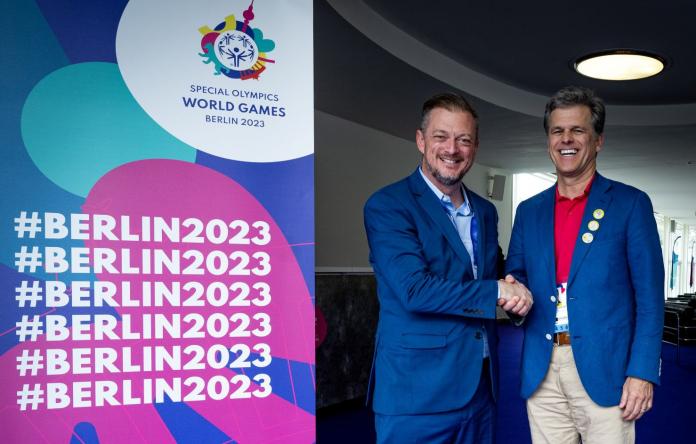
x=567 y=219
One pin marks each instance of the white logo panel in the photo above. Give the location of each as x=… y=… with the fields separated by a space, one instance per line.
x=232 y=79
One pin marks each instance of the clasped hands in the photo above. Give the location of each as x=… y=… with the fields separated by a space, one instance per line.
x=514 y=296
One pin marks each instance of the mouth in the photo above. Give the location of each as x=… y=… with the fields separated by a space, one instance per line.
x=449 y=161
x=568 y=152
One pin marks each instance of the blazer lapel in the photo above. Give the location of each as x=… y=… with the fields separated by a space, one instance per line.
x=436 y=212
x=598 y=199
x=545 y=211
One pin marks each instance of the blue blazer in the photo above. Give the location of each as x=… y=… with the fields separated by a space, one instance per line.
x=429 y=342
x=615 y=289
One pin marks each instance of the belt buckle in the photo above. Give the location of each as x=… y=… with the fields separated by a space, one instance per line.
x=558 y=341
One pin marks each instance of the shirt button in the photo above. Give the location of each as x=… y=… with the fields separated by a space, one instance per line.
x=553 y=298
x=478 y=335
x=548 y=336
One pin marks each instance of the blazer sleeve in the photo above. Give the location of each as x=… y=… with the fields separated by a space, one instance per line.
x=515 y=263
x=647 y=278
x=398 y=257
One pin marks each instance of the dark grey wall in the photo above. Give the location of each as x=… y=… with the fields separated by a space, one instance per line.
x=349 y=305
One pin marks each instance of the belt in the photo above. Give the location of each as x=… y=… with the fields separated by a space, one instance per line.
x=562 y=338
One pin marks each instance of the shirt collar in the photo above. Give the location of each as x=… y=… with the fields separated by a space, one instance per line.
x=584 y=194
x=445 y=200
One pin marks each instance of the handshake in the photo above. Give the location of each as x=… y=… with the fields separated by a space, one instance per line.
x=514 y=296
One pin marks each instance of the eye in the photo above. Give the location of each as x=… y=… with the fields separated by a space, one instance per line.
x=578 y=131
x=464 y=141
x=439 y=137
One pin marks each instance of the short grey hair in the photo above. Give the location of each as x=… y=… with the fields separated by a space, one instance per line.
x=451 y=102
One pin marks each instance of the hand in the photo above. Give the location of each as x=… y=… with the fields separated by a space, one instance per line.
x=636 y=398
x=514 y=296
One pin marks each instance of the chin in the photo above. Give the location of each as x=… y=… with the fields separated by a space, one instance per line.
x=448 y=180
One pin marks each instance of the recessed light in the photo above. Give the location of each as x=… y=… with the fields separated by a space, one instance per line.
x=620 y=64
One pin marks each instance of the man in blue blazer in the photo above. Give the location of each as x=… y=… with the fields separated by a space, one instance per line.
x=433 y=247
x=589 y=251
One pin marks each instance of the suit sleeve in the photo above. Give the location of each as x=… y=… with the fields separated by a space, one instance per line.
x=647 y=277
x=398 y=258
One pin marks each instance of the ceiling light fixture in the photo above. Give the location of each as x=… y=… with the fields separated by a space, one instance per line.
x=620 y=64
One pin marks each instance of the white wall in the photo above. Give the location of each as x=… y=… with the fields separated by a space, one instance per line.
x=352 y=162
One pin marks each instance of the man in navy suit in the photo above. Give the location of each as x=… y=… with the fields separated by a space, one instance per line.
x=588 y=249
x=433 y=248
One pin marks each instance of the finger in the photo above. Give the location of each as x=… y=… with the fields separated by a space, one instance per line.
x=630 y=410
x=525 y=310
x=523 y=302
x=624 y=398
x=635 y=404
x=501 y=301
x=637 y=413
x=630 y=415
x=510 y=303
x=523 y=306
x=644 y=409
x=510 y=279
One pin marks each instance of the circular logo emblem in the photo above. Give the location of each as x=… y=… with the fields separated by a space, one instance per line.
x=587 y=238
x=593 y=225
x=598 y=213
x=236 y=50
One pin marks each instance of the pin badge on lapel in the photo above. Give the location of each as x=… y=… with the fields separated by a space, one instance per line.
x=598 y=213
x=593 y=225
x=587 y=238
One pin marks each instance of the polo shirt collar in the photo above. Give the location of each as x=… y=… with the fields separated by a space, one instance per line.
x=584 y=194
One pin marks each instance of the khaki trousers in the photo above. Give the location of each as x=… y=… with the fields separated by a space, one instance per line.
x=560 y=411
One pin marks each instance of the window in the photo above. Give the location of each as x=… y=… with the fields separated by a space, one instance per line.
x=526 y=185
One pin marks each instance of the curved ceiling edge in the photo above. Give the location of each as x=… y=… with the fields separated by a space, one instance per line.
x=424 y=58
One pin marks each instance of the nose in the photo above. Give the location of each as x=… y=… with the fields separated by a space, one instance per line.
x=567 y=136
x=450 y=146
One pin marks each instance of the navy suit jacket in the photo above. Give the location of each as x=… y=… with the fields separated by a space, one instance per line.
x=429 y=342
x=615 y=289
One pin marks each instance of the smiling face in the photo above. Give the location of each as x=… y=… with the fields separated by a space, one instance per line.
x=573 y=144
x=448 y=144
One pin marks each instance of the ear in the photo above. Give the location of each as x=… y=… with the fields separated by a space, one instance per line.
x=420 y=141
x=600 y=142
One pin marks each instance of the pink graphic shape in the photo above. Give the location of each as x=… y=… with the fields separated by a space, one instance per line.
x=208 y=38
x=174 y=189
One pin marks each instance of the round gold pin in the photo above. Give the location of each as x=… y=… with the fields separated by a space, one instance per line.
x=587 y=238
x=593 y=225
x=598 y=213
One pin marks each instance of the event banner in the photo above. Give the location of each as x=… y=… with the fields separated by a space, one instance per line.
x=156 y=222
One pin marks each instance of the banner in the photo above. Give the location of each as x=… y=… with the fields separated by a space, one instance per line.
x=156 y=223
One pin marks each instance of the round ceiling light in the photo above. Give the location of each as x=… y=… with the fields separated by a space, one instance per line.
x=620 y=65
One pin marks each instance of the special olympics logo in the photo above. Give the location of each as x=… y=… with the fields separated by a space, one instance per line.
x=235 y=49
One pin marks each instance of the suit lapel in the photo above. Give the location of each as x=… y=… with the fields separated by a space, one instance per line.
x=545 y=226
x=481 y=226
x=428 y=201
x=598 y=199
